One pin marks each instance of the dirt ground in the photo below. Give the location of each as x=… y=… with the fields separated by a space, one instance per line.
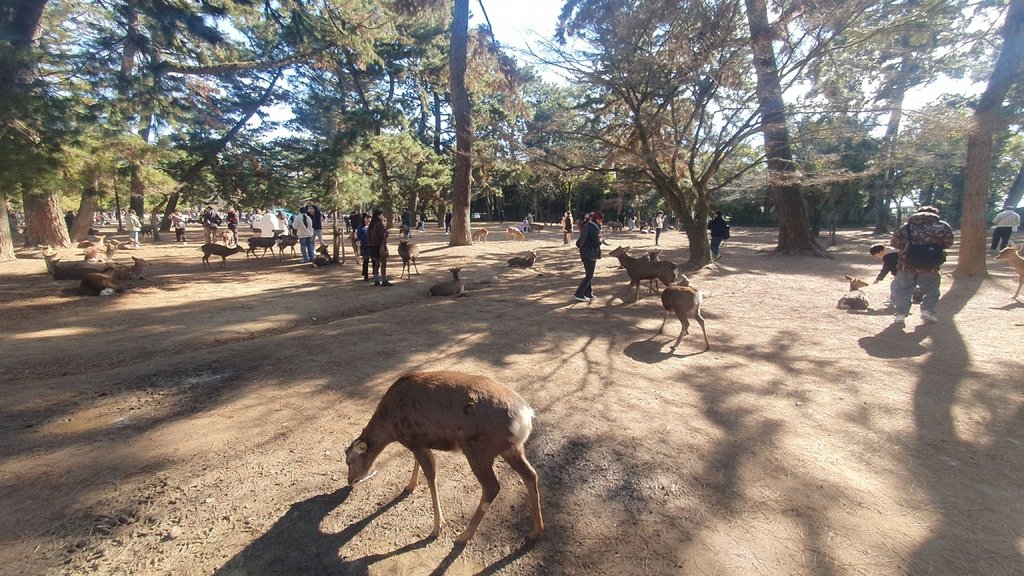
x=197 y=423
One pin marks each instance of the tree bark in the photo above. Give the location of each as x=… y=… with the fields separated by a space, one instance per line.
x=461 y=178
x=987 y=120
x=44 y=221
x=783 y=181
x=6 y=234
x=1016 y=192
x=87 y=207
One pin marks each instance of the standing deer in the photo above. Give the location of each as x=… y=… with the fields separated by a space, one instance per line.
x=683 y=300
x=1013 y=258
x=644 y=269
x=451 y=411
x=409 y=252
x=220 y=250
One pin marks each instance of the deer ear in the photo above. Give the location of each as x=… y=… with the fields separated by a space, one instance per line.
x=359 y=447
x=847 y=276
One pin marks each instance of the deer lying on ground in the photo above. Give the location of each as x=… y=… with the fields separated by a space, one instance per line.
x=514 y=234
x=323 y=256
x=75 y=270
x=683 y=300
x=523 y=261
x=103 y=252
x=453 y=287
x=113 y=278
x=409 y=252
x=479 y=235
x=1014 y=259
x=427 y=411
x=644 y=269
x=220 y=250
x=854 y=299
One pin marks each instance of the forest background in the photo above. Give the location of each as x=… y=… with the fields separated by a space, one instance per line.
x=788 y=114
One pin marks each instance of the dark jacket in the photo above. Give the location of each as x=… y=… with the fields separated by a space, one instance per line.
x=376 y=234
x=718 y=227
x=922 y=228
x=889 y=262
x=317 y=216
x=590 y=241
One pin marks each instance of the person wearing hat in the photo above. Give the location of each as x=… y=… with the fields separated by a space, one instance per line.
x=921 y=244
x=659 y=224
x=589 y=244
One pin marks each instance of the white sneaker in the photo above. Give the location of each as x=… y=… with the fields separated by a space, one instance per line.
x=929 y=316
x=899 y=319
x=581 y=299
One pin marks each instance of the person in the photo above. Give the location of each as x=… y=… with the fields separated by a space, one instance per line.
x=254 y=222
x=353 y=221
x=318 y=221
x=364 y=247
x=524 y=227
x=211 y=219
x=924 y=230
x=178 y=222
x=377 y=242
x=233 y=225
x=566 y=227
x=719 y=232
x=659 y=224
x=423 y=221
x=589 y=244
x=1006 y=222
x=132 y=226
x=282 y=223
x=889 y=263
x=447 y=222
x=69 y=219
x=303 y=225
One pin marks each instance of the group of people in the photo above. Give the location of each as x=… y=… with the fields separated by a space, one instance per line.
x=372 y=235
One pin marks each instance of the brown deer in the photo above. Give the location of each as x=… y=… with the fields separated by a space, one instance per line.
x=1014 y=259
x=451 y=411
x=220 y=250
x=526 y=261
x=854 y=299
x=479 y=235
x=683 y=301
x=409 y=252
x=453 y=287
x=644 y=269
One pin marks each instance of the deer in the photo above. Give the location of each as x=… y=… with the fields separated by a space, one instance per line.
x=523 y=261
x=854 y=299
x=112 y=278
x=644 y=269
x=220 y=250
x=288 y=241
x=1014 y=259
x=257 y=242
x=514 y=234
x=479 y=235
x=683 y=300
x=409 y=252
x=451 y=411
x=453 y=287
x=69 y=270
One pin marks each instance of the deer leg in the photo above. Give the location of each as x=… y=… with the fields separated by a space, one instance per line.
x=700 y=320
x=483 y=469
x=664 y=319
x=1019 y=285
x=517 y=460
x=417 y=268
x=415 y=475
x=425 y=459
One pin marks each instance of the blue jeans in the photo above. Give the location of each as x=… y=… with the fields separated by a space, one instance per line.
x=903 y=290
x=306 y=249
x=716 y=243
x=586 y=288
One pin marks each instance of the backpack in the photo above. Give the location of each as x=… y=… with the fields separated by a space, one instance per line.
x=929 y=255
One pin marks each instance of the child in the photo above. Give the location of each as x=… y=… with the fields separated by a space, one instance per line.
x=889 y=260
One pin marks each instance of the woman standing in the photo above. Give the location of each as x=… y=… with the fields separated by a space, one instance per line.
x=303 y=226
x=590 y=251
x=566 y=228
x=133 y=225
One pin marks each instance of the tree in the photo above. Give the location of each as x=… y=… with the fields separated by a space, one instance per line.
x=462 y=118
x=986 y=122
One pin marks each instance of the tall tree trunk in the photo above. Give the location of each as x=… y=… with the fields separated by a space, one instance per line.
x=19 y=29
x=794 y=227
x=44 y=221
x=885 y=186
x=87 y=207
x=6 y=234
x=461 y=178
x=986 y=122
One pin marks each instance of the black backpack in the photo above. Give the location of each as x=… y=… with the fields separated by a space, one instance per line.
x=930 y=255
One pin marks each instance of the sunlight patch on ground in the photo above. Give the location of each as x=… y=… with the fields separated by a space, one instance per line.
x=55 y=333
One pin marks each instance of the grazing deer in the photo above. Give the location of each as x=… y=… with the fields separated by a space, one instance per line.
x=426 y=411
x=1014 y=259
x=683 y=301
x=479 y=235
x=514 y=234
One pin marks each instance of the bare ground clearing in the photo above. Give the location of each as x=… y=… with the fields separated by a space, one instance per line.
x=196 y=424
